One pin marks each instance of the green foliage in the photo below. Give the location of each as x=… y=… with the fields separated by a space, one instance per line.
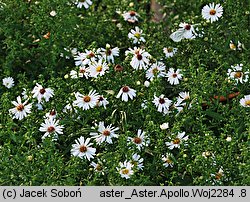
x=30 y=55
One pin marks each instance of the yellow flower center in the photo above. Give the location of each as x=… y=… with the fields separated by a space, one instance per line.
x=135 y=163
x=98 y=167
x=99 y=68
x=137 y=35
x=83 y=148
x=212 y=12
x=218 y=176
x=125 y=171
x=232 y=46
x=169 y=50
x=247 y=102
x=169 y=161
x=176 y=141
x=86 y=98
x=20 y=107
x=238 y=74
x=155 y=71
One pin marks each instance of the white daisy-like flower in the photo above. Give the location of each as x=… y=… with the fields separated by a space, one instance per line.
x=82 y=59
x=20 y=110
x=245 y=102
x=105 y=134
x=212 y=12
x=162 y=103
x=137 y=161
x=184 y=95
x=144 y=104
x=207 y=154
x=125 y=169
x=86 y=101
x=52 y=128
x=236 y=73
x=82 y=72
x=156 y=70
x=24 y=94
x=140 y=141
x=39 y=106
x=51 y=115
x=181 y=101
x=218 y=175
x=232 y=45
x=85 y=3
x=8 y=82
x=73 y=74
x=131 y=16
x=97 y=68
x=39 y=92
x=140 y=58
x=170 y=51
x=83 y=149
x=97 y=167
x=186 y=31
x=73 y=51
x=108 y=54
x=102 y=101
x=177 y=141
x=179 y=106
x=68 y=108
x=240 y=46
x=136 y=35
x=126 y=92
x=174 y=76
x=168 y=160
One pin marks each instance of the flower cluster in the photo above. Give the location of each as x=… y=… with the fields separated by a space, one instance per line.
x=210 y=12
x=93 y=63
x=134 y=108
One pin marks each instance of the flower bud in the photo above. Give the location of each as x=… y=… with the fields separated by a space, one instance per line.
x=107 y=46
x=229 y=139
x=118 y=68
x=164 y=126
x=53 y=13
x=29 y=158
x=146 y=83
